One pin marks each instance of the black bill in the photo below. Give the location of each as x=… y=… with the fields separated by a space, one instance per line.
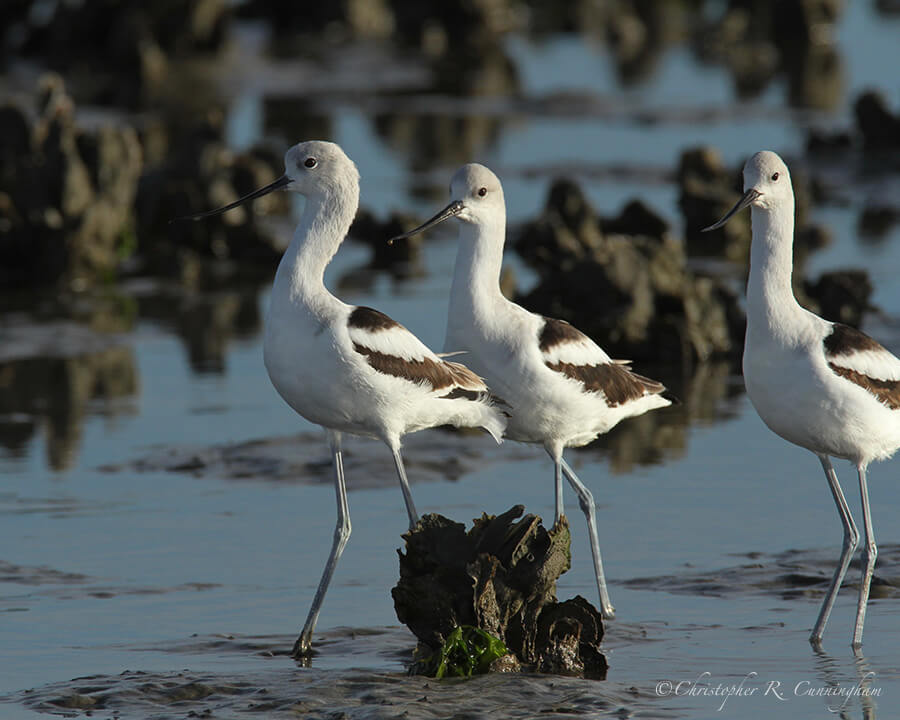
x=748 y=198
x=453 y=209
x=281 y=182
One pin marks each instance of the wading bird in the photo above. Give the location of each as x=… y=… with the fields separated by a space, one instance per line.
x=351 y=369
x=821 y=385
x=563 y=390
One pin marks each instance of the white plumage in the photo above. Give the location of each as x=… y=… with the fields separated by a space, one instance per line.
x=823 y=386
x=351 y=369
x=562 y=388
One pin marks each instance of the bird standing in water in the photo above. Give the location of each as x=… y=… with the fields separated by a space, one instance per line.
x=563 y=390
x=351 y=369
x=821 y=385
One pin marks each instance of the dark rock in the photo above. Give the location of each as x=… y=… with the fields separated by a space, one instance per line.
x=402 y=256
x=566 y=233
x=879 y=127
x=636 y=218
x=500 y=577
x=635 y=291
x=876 y=220
x=707 y=190
x=114 y=52
x=200 y=174
x=821 y=141
x=759 y=40
x=428 y=140
x=66 y=196
x=842 y=296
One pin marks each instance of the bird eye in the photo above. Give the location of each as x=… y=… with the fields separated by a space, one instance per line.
x=482 y=192
x=775 y=176
x=310 y=162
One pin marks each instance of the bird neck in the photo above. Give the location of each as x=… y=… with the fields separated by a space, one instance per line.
x=320 y=232
x=476 y=278
x=770 y=296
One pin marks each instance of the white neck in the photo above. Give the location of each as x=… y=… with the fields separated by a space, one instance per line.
x=770 y=296
x=323 y=226
x=475 y=294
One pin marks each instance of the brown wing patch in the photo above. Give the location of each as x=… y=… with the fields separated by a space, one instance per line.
x=556 y=332
x=845 y=340
x=887 y=391
x=366 y=318
x=464 y=377
x=616 y=382
x=439 y=374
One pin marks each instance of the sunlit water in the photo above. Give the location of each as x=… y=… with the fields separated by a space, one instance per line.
x=169 y=565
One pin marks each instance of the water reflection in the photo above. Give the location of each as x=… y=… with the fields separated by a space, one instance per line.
x=706 y=396
x=445 y=136
x=54 y=394
x=847 y=694
x=758 y=41
x=641 y=34
x=206 y=322
x=427 y=140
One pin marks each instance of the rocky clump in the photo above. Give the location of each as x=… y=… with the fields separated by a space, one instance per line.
x=840 y=296
x=707 y=189
x=80 y=206
x=66 y=195
x=876 y=129
x=500 y=576
x=878 y=125
x=114 y=52
x=402 y=257
x=626 y=280
x=759 y=40
x=200 y=173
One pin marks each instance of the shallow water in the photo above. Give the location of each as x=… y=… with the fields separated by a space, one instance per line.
x=165 y=516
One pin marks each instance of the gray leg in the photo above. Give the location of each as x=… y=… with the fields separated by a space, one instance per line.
x=555 y=453
x=303 y=645
x=870 y=552
x=407 y=493
x=586 y=500
x=850 y=543
x=560 y=508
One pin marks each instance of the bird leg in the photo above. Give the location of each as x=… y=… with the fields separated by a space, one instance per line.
x=407 y=493
x=303 y=646
x=870 y=552
x=586 y=500
x=560 y=508
x=850 y=543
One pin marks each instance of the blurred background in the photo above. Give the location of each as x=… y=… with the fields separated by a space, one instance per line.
x=618 y=129
x=131 y=378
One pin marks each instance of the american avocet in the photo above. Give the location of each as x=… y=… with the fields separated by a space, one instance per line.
x=351 y=369
x=820 y=385
x=562 y=388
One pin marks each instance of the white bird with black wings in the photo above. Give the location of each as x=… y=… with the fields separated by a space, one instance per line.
x=351 y=369
x=563 y=390
x=821 y=385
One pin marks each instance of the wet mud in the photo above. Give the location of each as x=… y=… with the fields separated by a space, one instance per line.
x=437 y=455
x=273 y=690
x=792 y=574
x=50 y=583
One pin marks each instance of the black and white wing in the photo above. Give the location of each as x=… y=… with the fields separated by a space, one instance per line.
x=568 y=351
x=856 y=357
